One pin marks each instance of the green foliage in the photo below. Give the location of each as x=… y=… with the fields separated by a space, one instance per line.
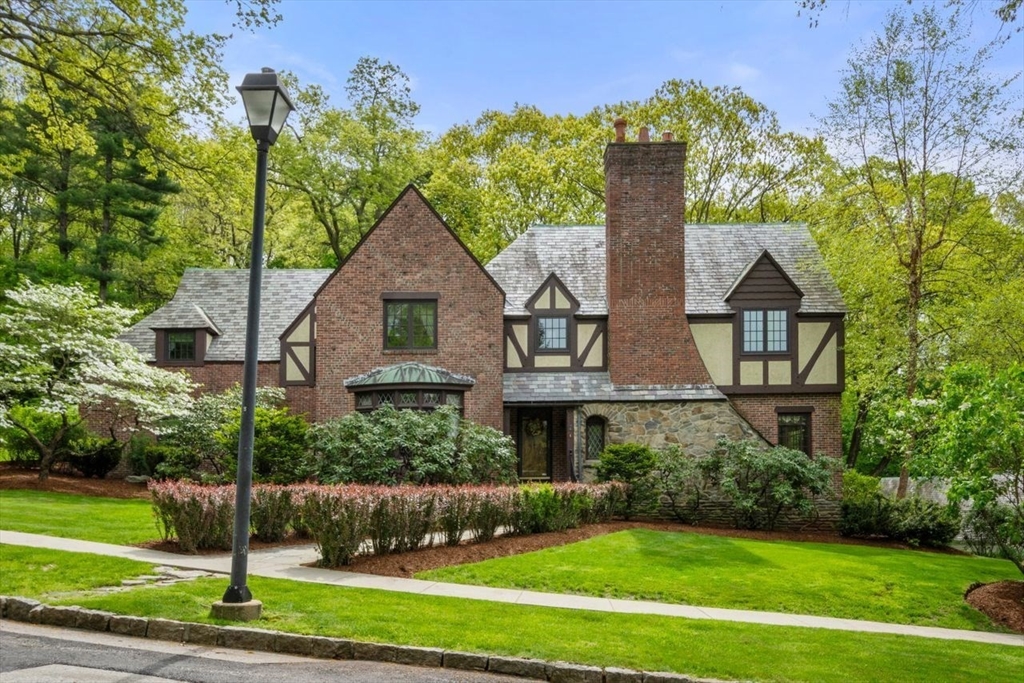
x=866 y=512
x=391 y=446
x=762 y=483
x=194 y=449
x=685 y=482
x=47 y=427
x=200 y=517
x=631 y=464
x=991 y=530
x=279 y=453
x=273 y=510
x=979 y=446
x=95 y=457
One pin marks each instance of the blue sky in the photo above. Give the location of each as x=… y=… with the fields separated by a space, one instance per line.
x=566 y=57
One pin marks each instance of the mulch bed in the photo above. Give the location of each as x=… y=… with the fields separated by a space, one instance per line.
x=1003 y=602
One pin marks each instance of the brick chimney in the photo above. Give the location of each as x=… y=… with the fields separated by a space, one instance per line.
x=649 y=339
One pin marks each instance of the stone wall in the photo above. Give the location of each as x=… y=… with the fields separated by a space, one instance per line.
x=695 y=426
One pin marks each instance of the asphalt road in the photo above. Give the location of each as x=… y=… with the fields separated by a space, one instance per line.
x=43 y=654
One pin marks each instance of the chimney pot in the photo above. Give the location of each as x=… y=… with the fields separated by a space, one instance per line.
x=667 y=136
x=645 y=134
x=620 y=129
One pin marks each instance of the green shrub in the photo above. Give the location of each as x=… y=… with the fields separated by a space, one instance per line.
x=20 y=447
x=684 y=482
x=145 y=455
x=391 y=446
x=194 y=450
x=994 y=530
x=539 y=509
x=338 y=522
x=455 y=512
x=94 y=456
x=279 y=454
x=632 y=465
x=917 y=521
x=762 y=483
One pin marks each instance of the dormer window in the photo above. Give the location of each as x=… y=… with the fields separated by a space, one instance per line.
x=766 y=331
x=552 y=333
x=181 y=346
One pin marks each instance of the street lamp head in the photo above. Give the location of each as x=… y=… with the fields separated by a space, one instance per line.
x=266 y=104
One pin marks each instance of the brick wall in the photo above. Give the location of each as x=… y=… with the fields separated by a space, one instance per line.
x=649 y=339
x=410 y=250
x=218 y=377
x=826 y=421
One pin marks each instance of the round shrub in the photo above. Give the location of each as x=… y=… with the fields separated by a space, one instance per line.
x=632 y=464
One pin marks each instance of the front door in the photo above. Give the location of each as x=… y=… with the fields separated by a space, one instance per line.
x=534 y=443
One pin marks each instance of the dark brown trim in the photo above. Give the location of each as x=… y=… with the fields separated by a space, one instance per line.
x=411 y=188
x=764 y=256
x=793 y=409
x=444 y=390
x=749 y=389
x=161 y=347
x=510 y=334
x=552 y=278
x=575 y=360
x=390 y=296
x=590 y=345
x=570 y=335
x=523 y=413
x=796 y=410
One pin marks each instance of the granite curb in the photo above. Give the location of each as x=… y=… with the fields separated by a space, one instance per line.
x=244 y=638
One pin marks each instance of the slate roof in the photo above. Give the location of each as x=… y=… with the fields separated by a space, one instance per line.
x=220 y=298
x=716 y=258
x=579 y=387
x=573 y=252
x=409 y=372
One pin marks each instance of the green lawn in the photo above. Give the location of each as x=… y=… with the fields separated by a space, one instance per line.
x=836 y=580
x=90 y=518
x=702 y=648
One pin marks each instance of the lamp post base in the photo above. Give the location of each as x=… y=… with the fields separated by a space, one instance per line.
x=237 y=611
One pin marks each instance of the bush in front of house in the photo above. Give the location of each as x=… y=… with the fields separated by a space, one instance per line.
x=866 y=512
x=631 y=465
x=279 y=454
x=391 y=446
x=272 y=511
x=763 y=483
x=200 y=517
x=195 y=443
x=993 y=529
x=94 y=456
x=684 y=482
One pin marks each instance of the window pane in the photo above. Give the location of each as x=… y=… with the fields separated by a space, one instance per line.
x=386 y=398
x=407 y=398
x=753 y=331
x=551 y=334
x=423 y=324
x=397 y=315
x=777 y=331
x=453 y=399
x=364 y=401
x=595 y=437
x=181 y=345
x=431 y=398
x=794 y=430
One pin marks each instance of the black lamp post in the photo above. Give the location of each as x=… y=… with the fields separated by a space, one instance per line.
x=267 y=105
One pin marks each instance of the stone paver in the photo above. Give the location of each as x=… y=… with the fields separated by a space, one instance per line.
x=286 y=563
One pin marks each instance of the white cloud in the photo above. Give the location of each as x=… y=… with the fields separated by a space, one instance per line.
x=743 y=72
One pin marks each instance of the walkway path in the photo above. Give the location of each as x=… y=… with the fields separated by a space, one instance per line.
x=286 y=563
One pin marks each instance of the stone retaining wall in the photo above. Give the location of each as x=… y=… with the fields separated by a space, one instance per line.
x=243 y=638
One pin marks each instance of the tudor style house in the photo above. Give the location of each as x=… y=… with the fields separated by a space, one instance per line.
x=643 y=329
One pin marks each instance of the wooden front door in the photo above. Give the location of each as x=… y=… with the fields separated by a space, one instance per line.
x=534 y=443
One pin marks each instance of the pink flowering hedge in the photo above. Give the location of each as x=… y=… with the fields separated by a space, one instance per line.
x=346 y=520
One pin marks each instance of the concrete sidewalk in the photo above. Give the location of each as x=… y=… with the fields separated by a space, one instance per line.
x=286 y=563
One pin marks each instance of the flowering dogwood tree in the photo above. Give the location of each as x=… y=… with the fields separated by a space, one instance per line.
x=59 y=354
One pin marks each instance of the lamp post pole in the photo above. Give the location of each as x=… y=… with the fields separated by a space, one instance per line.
x=239 y=591
x=267 y=106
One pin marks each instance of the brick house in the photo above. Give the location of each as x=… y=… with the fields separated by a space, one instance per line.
x=643 y=329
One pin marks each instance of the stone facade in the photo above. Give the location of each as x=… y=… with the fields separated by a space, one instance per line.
x=695 y=426
x=410 y=250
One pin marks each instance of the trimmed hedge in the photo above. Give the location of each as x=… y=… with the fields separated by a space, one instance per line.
x=348 y=519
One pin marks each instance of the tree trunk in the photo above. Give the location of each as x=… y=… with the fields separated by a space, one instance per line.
x=913 y=348
x=857 y=436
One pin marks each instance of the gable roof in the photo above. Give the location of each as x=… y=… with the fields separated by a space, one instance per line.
x=716 y=257
x=766 y=256
x=221 y=296
x=409 y=189
x=575 y=253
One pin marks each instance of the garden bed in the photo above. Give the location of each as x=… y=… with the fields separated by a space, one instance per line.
x=18 y=478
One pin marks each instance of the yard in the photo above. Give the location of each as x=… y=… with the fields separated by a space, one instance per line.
x=853 y=581
x=703 y=648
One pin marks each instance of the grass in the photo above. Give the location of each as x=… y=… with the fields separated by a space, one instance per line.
x=90 y=518
x=702 y=648
x=836 y=580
